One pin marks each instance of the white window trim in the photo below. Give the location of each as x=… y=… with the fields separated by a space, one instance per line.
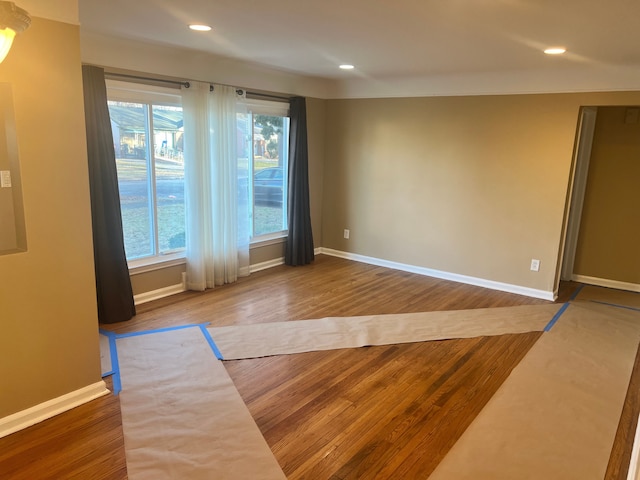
x=269 y=239
x=150 y=264
x=281 y=109
x=136 y=93
x=267 y=107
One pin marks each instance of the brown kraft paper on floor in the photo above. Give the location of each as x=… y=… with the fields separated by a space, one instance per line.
x=279 y=338
x=555 y=417
x=182 y=415
x=610 y=296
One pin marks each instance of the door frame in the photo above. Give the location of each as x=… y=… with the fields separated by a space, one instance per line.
x=576 y=193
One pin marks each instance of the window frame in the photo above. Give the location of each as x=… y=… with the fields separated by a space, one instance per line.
x=270 y=108
x=149 y=95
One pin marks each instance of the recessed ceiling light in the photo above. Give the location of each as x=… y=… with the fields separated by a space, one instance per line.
x=200 y=28
x=555 y=50
x=347 y=66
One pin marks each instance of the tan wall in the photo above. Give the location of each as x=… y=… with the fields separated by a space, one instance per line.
x=157 y=279
x=468 y=185
x=49 y=341
x=609 y=231
x=266 y=253
x=12 y=233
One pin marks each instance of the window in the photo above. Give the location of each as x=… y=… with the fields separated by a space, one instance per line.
x=147 y=126
x=265 y=154
x=148 y=140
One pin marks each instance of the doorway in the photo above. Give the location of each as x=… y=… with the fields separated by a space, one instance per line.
x=603 y=225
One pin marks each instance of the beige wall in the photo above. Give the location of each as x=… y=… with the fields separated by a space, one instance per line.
x=137 y=56
x=12 y=233
x=49 y=341
x=610 y=231
x=474 y=186
x=157 y=279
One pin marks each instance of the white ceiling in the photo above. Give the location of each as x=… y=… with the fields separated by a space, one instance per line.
x=399 y=40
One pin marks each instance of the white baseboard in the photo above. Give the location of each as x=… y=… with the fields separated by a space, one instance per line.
x=159 y=293
x=603 y=282
x=51 y=408
x=145 y=297
x=268 y=264
x=479 y=282
x=275 y=262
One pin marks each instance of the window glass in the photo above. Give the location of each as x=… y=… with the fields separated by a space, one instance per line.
x=147 y=125
x=270 y=168
x=169 y=176
x=149 y=158
x=129 y=127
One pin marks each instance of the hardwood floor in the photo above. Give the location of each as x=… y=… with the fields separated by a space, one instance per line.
x=618 y=466
x=328 y=287
x=83 y=443
x=375 y=412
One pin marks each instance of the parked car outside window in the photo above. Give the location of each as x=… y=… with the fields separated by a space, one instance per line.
x=268 y=186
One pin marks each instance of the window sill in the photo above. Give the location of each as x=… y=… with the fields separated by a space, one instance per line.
x=271 y=239
x=145 y=265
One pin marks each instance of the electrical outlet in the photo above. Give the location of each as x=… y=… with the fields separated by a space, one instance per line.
x=535 y=265
x=346 y=233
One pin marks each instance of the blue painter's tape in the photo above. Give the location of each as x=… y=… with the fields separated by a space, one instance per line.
x=616 y=305
x=159 y=330
x=115 y=365
x=555 y=318
x=212 y=344
x=576 y=292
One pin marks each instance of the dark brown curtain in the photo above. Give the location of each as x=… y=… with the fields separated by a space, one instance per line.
x=299 y=248
x=113 y=285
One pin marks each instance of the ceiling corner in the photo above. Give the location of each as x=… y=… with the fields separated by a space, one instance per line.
x=66 y=11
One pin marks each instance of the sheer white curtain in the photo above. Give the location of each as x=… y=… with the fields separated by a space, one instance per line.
x=216 y=190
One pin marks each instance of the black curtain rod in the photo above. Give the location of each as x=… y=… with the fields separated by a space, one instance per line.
x=148 y=79
x=187 y=85
x=268 y=95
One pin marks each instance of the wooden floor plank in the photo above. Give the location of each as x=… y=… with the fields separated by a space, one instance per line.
x=395 y=414
x=375 y=412
x=618 y=466
x=85 y=442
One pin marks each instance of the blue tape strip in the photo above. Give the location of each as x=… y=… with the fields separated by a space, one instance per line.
x=209 y=339
x=576 y=292
x=115 y=364
x=159 y=330
x=616 y=305
x=555 y=318
x=117 y=384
